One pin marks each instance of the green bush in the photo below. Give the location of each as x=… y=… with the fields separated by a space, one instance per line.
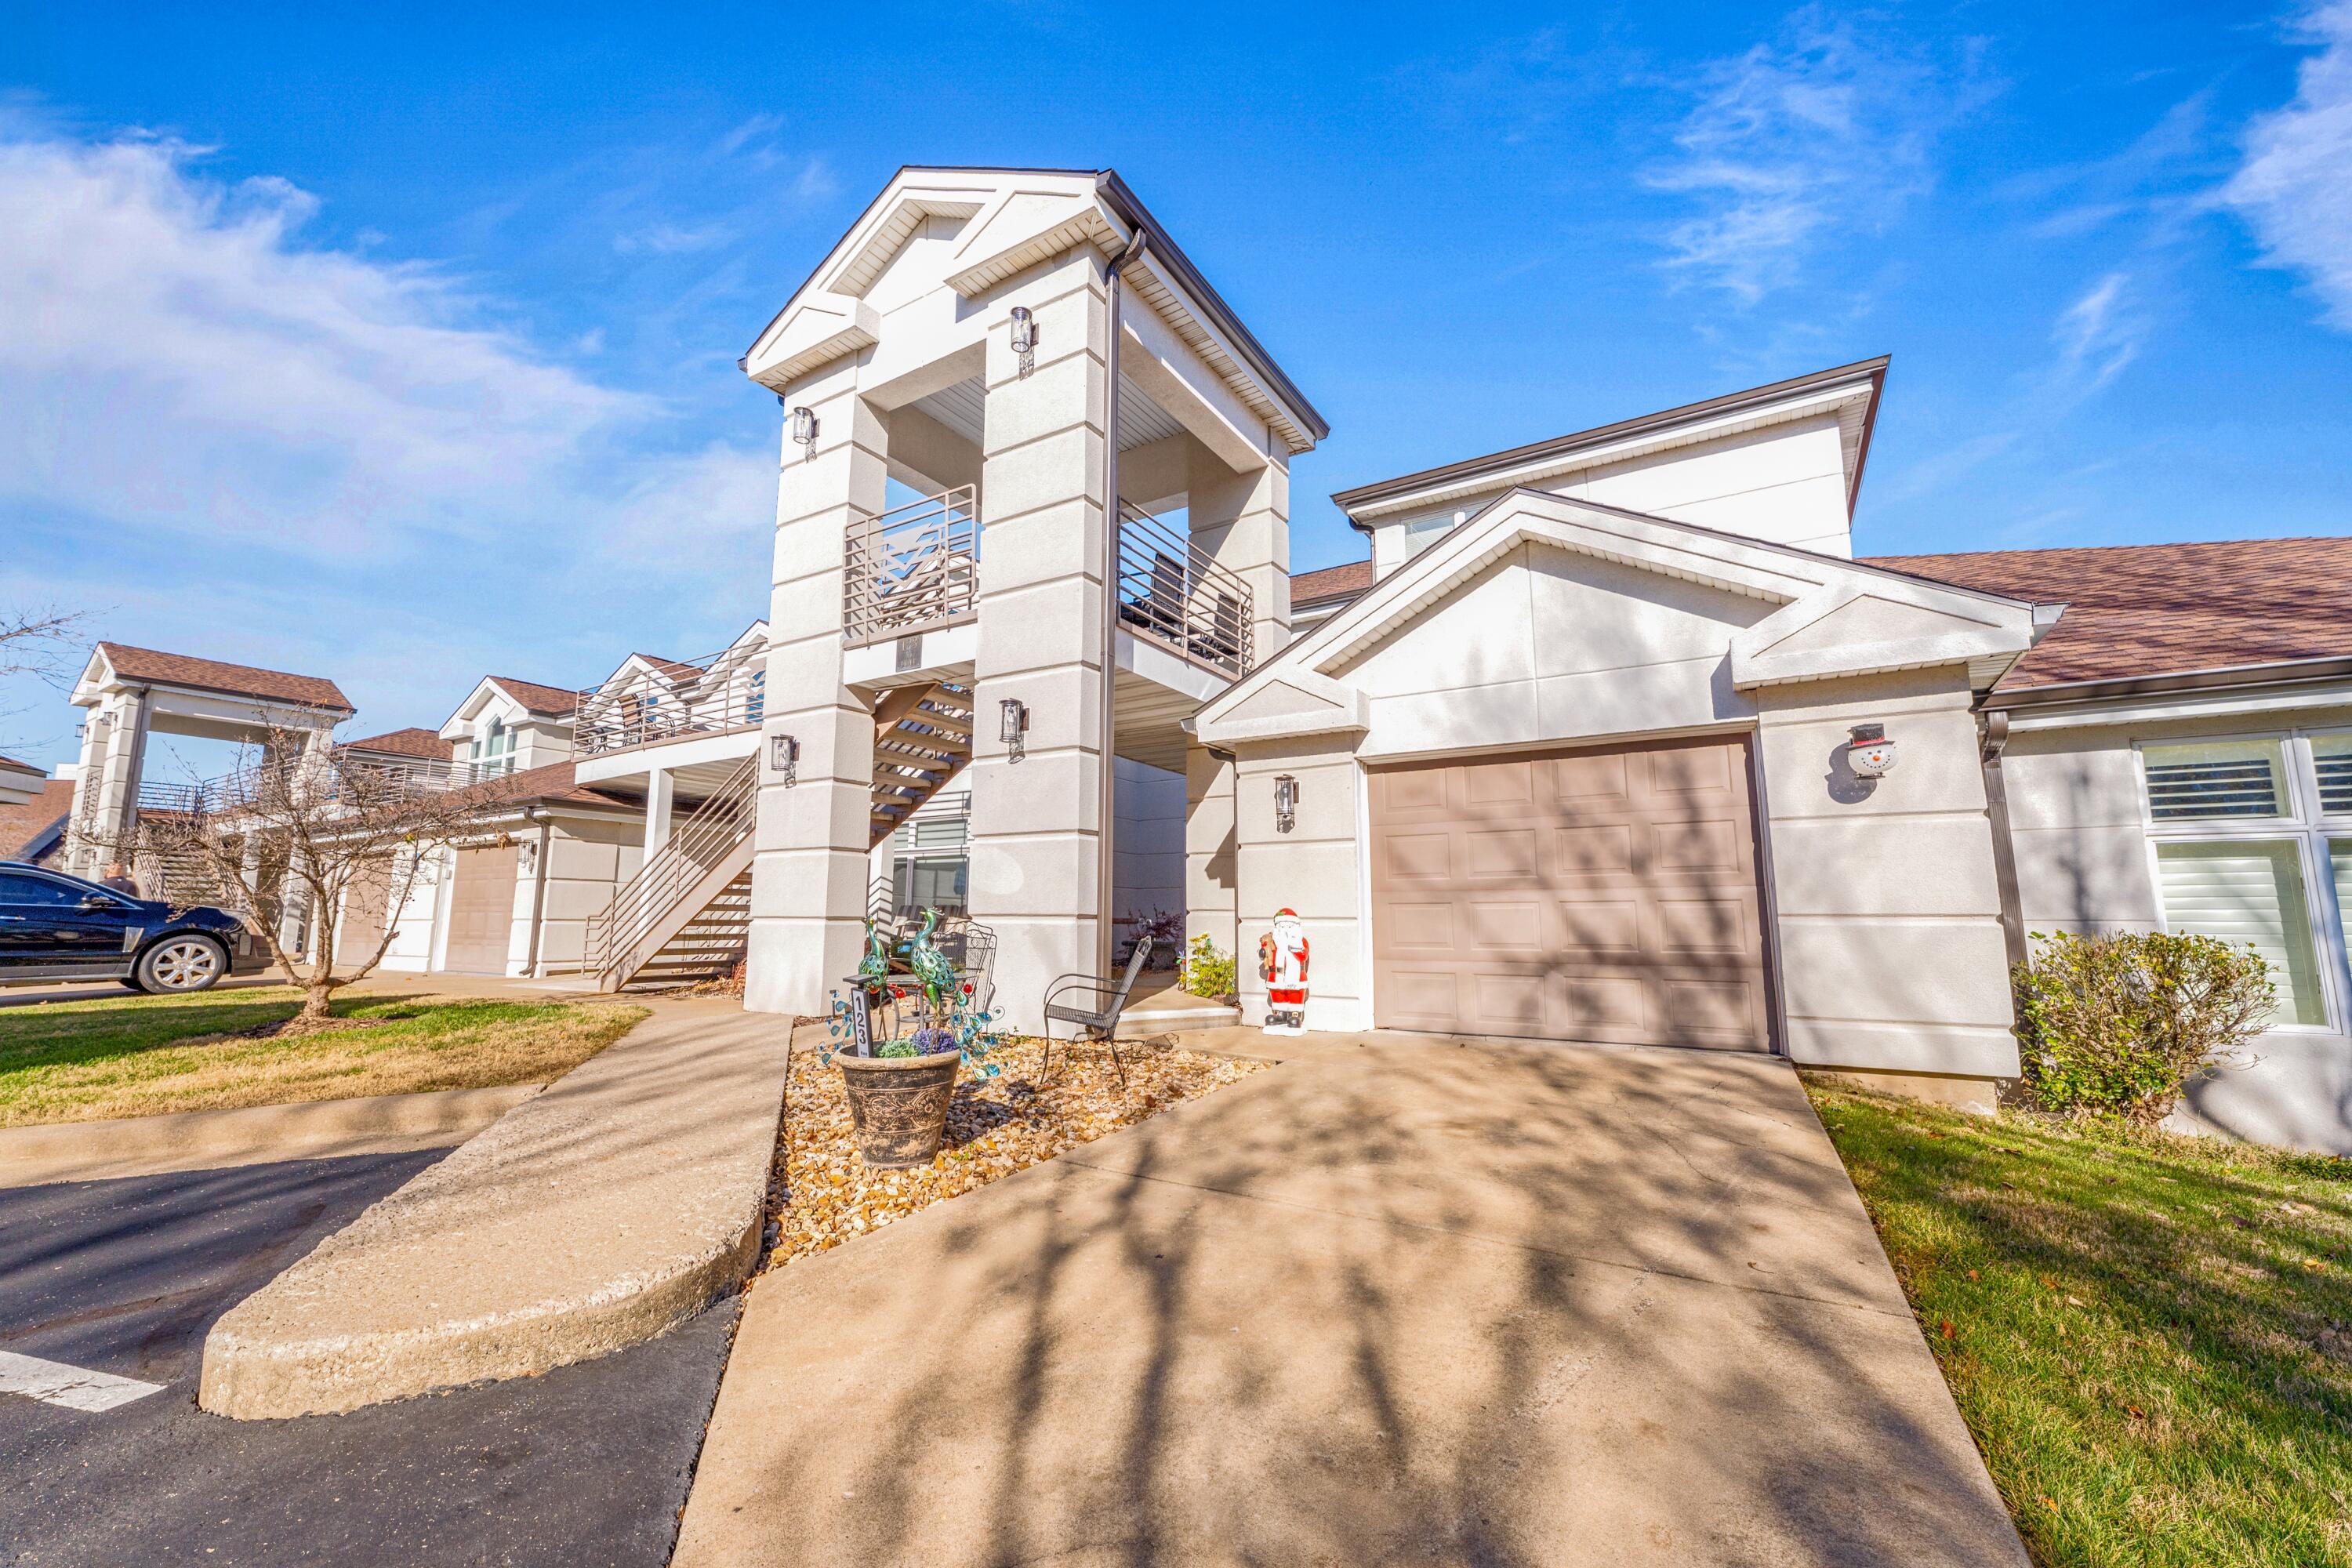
x=1206 y=971
x=2121 y=1025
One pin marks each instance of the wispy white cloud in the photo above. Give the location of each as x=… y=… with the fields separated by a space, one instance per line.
x=2096 y=336
x=2294 y=188
x=1791 y=144
x=229 y=438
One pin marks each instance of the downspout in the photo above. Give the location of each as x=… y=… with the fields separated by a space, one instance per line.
x=2004 y=852
x=538 y=884
x=1106 y=804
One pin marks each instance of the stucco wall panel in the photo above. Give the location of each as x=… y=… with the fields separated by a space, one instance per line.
x=1905 y=1046
x=1884 y=866
x=1930 y=972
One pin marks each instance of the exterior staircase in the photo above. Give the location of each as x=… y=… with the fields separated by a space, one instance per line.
x=708 y=946
x=922 y=739
x=685 y=914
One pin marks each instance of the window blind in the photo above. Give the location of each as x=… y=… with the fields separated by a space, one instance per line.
x=2331 y=759
x=2249 y=893
x=2210 y=780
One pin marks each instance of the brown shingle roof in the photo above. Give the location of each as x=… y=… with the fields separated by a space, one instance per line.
x=20 y=824
x=234 y=679
x=554 y=781
x=1330 y=582
x=20 y=767
x=552 y=701
x=408 y=743
x=2138 y=610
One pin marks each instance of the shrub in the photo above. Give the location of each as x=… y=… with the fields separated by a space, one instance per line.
x=1206 y=971
x=2121 y=1025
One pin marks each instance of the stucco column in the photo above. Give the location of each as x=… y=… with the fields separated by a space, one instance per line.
x=1244 y=521
x=117 y=803
x=808 y=874
x=1035 y=844
x=1209 y=908
x=661 y=794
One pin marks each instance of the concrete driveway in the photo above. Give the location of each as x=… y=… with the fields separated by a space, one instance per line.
x=1397 y=1301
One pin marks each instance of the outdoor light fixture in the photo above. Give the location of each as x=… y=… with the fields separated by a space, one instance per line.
x=1285 y=803
x=1870 y=753
x=1024 y=338
x=784 y=757
x=1013 y=723
x=803 y=422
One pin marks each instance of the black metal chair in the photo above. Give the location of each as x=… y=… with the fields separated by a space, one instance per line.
x=1100 y=1022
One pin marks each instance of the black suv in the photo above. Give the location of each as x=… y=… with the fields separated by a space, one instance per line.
x=55 y=927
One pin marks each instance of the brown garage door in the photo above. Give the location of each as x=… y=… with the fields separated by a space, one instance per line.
x=481 y=911
x=367 y=911
x=1595 y=895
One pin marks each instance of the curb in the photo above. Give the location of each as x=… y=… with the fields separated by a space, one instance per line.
x=249 y=1135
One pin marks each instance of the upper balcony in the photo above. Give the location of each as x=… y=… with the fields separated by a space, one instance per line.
x=654 y=702
x=913 y=569
x=1174 y=593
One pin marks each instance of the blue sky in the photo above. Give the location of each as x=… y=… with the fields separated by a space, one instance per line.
x=399 y=346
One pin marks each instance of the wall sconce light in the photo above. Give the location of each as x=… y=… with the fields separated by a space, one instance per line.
x=803 y=426
x=1870 y=753
x=1285 y=803
x=1024 y=338
x=784 y=757
x=1013 y=725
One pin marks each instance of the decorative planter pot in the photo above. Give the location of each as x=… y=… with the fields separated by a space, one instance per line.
x=900 y=1106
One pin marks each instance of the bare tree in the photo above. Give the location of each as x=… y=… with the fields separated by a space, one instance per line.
x=297 y=827
x=35 y=642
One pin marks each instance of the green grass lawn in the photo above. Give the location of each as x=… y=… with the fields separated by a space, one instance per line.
x=137 y=1055
x=2150 y=1336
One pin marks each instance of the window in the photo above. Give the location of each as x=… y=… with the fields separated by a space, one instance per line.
x=14 y=889
x=2230 y=778
x=1425 y=531
x=2241 y=854
x=494 y=750
x=2249 y=894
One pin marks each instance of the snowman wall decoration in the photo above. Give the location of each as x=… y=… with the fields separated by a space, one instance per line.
x=1282 y=964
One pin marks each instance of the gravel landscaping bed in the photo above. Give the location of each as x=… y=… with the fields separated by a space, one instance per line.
x=996 y=1127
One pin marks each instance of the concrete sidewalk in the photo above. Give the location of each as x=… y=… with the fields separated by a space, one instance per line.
x=1397 y=1302
x=613 y=1206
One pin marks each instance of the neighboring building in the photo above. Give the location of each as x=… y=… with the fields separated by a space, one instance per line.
x=508 y=726
x=34 y=812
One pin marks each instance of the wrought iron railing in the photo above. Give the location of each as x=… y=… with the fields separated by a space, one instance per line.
x=668 y=700
x=716 y=827
x=914 y=568
x=1177 y=594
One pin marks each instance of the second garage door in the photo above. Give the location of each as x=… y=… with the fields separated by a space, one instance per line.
x=1595 y=895
x=481 y=911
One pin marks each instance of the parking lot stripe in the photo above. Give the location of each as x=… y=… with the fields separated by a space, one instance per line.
x=55 y=1383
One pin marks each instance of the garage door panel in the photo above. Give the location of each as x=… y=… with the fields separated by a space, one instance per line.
x=1507 y=926
x=1593 y=777
x=1426 y=857
x=1696 y=846
x=1508 y=1004
x=1716 y=926
x=1591 y=851
x=1498 y=783
x=1595 y=895
x=1501 y=854
x=1421 y=928
x=1596 y=926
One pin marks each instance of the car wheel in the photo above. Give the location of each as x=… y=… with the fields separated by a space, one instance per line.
x=181 y=964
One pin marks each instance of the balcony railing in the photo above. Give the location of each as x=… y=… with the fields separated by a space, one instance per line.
x=915 y=568
x=1179 y=597
x=374 y=776
x=669 y=699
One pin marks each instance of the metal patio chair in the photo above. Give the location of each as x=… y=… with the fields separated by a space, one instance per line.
x=1100 y=1022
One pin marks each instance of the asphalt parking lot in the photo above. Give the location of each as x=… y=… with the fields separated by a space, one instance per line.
x=106 y=1290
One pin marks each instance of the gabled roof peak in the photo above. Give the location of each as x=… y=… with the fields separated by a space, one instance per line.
x=1853 y=389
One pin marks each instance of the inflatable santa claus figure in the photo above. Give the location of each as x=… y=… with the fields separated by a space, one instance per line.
x=1282 y=964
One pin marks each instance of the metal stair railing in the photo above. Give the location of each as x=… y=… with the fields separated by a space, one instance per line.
x=913 y=568
x=671 y=873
